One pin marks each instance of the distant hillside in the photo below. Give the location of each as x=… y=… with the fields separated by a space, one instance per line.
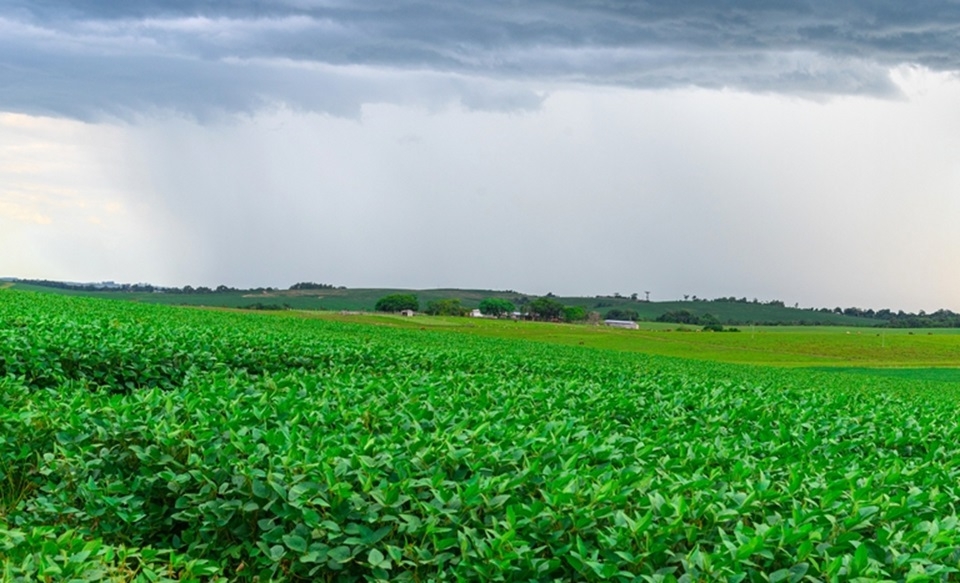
x=733 y=313
x=358 y=299
x=363 y=299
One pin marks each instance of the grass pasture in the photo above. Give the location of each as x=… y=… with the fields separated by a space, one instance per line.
x=154 y=443
x=794 y=346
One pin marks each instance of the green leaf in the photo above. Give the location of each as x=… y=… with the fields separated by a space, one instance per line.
x=277 y=552
x=260 y=490
x=341 y=554
x=311 y=518
x=395 y=553
x=376 y=559
x=859 y=563
x=295 y=543
x=780 y=575
x=798 y=571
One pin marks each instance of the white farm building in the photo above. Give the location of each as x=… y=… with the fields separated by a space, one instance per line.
x=629 y=324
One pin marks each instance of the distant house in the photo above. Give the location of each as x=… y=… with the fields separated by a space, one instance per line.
x=406 y=312
x=629 y=324
x=476 y=313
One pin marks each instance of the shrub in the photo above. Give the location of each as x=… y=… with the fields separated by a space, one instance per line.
x=623 y=314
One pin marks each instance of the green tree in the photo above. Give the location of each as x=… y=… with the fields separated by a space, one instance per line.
x=679 y=317
x=546 y=308
x=446 y=307
x=711 y=323
x=574 y=314
x=397 y=303
x=310 y=285
x=496 y=307
x=622 y=314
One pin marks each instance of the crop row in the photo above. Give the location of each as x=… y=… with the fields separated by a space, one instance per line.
x=282 y=448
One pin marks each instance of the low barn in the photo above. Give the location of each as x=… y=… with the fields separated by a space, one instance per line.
x=629 y=324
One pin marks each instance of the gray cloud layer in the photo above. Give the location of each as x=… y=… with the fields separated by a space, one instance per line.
x=88 y=59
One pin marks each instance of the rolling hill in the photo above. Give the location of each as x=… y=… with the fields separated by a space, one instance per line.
x=364 y=299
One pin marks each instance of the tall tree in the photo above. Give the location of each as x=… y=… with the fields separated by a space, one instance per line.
x=397 y=303
x=496 y=307
x=546 y=308
x=446 y=307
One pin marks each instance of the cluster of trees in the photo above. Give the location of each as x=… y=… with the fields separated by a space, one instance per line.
x=305 y=285
x=446 y=307
x=397 y=303
x=263 y=306
x=743 y=300
x=497 y=307
x=708 y=321
x=548 y=309
x=901 y=319
x=617 y=296
x=545 y=308
x=574 y=314
x=679 y=317
x=938 y=319
x=622 y=314
x=220 y=289
x=109 y=286
x=892 y=319
x=735 y=300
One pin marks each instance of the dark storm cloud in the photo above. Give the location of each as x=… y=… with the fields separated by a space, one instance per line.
x=84 y=59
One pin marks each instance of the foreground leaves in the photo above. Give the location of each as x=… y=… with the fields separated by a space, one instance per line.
x=188 y=444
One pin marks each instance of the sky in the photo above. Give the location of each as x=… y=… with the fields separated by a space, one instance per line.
x=804 y=151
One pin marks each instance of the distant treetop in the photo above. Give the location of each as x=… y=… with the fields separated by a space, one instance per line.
x=496 y=307
x=310 y=285
x=398 y=303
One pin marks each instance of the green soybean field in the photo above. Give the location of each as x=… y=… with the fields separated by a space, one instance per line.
x=156 y=443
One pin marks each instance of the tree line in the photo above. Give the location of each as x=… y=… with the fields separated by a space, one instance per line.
x=708 y=321
x=109 y=286
x=544 y=308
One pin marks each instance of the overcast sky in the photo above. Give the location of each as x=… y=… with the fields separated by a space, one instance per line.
x=807 y=151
